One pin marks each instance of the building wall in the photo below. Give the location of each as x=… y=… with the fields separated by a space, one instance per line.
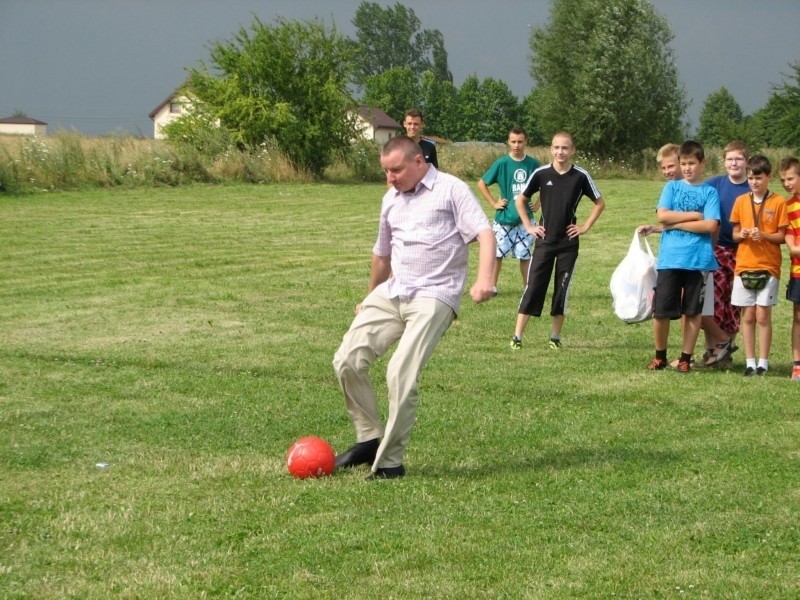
x=167 y=113
x=23 y=129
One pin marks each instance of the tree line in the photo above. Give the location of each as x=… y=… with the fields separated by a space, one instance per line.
x=293 y=82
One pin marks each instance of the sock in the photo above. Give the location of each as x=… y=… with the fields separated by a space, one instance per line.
x=686 y=357
x=750 y=363
x=661 y=355
x=763 y=363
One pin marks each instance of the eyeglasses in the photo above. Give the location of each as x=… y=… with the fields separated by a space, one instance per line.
x=734 y=159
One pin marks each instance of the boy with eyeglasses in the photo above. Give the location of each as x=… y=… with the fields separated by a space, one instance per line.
x=720 y=321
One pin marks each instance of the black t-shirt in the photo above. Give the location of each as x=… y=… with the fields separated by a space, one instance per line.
x=429 y=151
x=560 y=195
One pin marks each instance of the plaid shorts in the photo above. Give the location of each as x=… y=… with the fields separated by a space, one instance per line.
x=726 y=316
x=513 y=240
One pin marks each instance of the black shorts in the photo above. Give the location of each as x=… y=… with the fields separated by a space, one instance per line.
x=679 y=292
x=540 y=270
x=793 y=290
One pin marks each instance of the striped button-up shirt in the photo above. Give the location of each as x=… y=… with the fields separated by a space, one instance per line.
x=426 y=233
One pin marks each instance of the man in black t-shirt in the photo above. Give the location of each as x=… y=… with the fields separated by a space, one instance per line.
x=414 y=124
x=560 y=185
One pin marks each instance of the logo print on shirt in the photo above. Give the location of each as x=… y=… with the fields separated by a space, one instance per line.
x=520 y=175
x=549 y=182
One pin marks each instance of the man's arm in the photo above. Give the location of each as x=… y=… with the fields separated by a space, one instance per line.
x=495 y=204
x=574 y=231
x=793 y=244
x=673 y=217
x=380 y=270
x=483 y=288
x=521 y=202
x=704 y=226
x=779 y=237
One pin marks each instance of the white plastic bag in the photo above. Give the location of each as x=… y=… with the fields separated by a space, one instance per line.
x=633 y=283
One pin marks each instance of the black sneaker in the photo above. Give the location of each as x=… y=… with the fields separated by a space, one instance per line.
x=761 y=371
x=555 y=344
x=516 y=343
x=749 y=372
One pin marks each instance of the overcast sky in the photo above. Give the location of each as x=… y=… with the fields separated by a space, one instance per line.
x=101 y=66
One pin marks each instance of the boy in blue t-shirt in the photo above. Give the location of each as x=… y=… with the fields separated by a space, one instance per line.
x=688 y=213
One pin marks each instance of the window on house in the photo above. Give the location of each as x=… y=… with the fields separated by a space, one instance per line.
x=175 y=107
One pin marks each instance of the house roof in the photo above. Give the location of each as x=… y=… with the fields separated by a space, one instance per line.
x=21 y=121
x=377 y=118
x=166 y=101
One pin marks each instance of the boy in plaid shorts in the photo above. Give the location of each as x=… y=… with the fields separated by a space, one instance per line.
x=510 y=173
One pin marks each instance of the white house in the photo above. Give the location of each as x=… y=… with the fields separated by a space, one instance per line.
x=22 y=126
x=374 y=124
x=171 y=108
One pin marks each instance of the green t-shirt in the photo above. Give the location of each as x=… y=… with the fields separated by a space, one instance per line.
x=511 y=176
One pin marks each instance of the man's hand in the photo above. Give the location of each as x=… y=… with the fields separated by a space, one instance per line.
x=536 y=231
x=574 y=231
x=481 y=291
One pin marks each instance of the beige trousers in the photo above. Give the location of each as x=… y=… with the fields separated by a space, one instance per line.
x=418 y=324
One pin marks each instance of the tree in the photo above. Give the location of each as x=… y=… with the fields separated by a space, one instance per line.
x=501 y=110
x=721 y=119
x=390 y=37
x=531 y=121
x=394 y=91
x=287 y=82
x=439 y=102
x=486 y=110
x=779 y=120
x=469 y=110
x=605 y=72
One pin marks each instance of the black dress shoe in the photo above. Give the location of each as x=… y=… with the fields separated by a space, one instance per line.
x=362 y=453
x=386 y=473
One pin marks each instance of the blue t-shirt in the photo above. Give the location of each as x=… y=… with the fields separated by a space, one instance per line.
x=728 y=192
x=684 y=249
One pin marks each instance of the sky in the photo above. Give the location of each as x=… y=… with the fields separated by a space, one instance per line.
x=101 y=66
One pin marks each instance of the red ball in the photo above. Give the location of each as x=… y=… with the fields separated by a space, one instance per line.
x=310 y=457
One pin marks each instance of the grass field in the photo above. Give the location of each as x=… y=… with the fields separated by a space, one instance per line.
x=160 y=349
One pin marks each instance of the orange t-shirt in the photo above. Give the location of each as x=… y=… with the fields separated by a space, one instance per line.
x=772 y=217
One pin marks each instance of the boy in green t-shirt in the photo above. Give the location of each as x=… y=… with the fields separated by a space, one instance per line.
x=511 y=173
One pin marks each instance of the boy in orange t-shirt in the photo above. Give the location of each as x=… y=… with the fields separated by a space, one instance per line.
x=759 y=225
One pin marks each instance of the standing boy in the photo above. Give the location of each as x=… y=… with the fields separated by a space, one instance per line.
x=667 y=159
x=560 y=185
x=790 y=178
x=688 y=212
x=417 y=278
x=414 y=124
x=510 y=172
x=759 y=227
x=720 y=318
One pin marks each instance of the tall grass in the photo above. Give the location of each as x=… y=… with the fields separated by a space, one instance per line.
x=69 y=161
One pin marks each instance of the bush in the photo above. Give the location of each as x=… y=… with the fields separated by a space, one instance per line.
x=68 y=161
